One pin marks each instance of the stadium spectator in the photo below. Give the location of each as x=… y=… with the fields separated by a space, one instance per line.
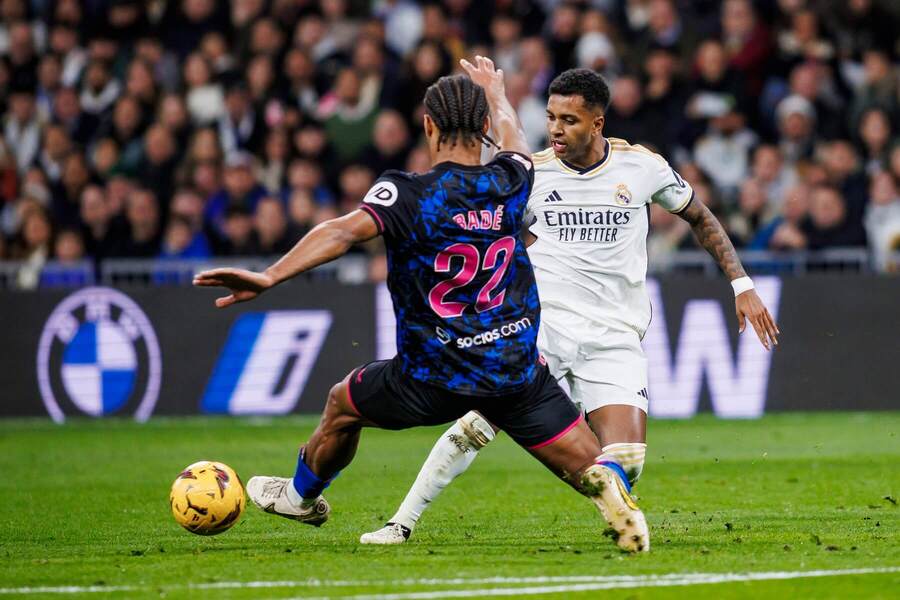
x=205 y=97
x=843 y=171
x=403 y=23
x=63 y=42
x=796 y=118
x=530 y=108
x=723 y=151
x=882 y=220
x=828 y=225
x=299 y=73
x=769 y=170
x=355 y=181
x=863 y=25
x=307 y=175
x=879 y=87
x=187 y=204
x=21 y=127
x=102 y=231
x=79 y=125
x=237 y=233
x=271 y=234
x=143 y=217
x=33 y=245
x=99 y=89
x=272 y=171
x=428 y=62
x=625 y=117
x=68 y=248
x=66 y=194
x=506 y=32
x=875 y=137
x=813 y=82
x=302 y=212
x=747 y=43
x=783 y=232
x=240 y=189
x=179 y=241
x=240 y=126
x=156 y=169
x=55 y=146
x=563 y=35
x=379 y=74
x=753 y=211
x=390 y=143
x=534 y=64
x=665 y=28
x=714 y=91
x=803 y=40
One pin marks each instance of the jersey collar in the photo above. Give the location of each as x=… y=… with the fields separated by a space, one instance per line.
x=587 y=170
x=449 y=164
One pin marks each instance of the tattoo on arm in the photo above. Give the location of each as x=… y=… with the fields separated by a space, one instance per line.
x=711 y=235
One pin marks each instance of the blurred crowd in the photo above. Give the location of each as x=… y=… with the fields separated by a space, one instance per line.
x=198 y=128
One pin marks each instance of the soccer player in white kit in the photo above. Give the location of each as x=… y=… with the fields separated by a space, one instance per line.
x=589 y=222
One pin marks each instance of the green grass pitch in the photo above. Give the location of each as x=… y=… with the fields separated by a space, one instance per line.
x=85 y=514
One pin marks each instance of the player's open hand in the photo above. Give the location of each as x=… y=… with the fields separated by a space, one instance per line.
x=750 y=307
x=484 y=74
x=244 y=285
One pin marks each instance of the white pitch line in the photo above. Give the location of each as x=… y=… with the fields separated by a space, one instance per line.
x=636 y=582
x=568 y=583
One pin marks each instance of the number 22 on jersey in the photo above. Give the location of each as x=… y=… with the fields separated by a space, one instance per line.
x=471 y=261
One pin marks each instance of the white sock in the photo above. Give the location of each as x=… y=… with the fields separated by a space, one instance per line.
x=629 y=455
x=296 y=499
x=292 y=494
x=450 y=457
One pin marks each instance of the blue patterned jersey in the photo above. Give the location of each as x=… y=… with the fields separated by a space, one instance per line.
x=463 y=290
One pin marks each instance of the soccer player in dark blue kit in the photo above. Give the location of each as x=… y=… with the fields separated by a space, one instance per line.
x=467 y=312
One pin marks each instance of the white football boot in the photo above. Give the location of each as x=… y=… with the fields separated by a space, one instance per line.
x=270 y=494
x=626 y=521
x=392 y=533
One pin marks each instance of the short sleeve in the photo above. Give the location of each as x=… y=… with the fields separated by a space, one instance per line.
x=670 y=191
x=388 y=203
x=516 y=168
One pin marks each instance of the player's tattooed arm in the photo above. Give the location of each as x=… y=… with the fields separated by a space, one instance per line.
x=711 y=235
x=748 y=305
x=326 y=242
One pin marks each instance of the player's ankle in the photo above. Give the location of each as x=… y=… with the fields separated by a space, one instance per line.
x=404 y=522
x=307 y=485
x=629 y=455
x=617 y=469
x=404 y=529
x=294 y=496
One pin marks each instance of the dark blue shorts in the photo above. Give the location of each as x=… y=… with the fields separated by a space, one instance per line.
x=534 y=416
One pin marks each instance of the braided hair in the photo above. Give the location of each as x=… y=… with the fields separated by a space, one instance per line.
x=458 y=108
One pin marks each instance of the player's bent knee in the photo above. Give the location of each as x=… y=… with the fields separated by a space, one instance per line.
x=477 y=429
x=630 y=456
x=339 y=412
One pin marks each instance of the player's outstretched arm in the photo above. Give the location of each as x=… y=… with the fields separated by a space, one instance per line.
x=326 y=242
x=504 y=120
x=748 y=305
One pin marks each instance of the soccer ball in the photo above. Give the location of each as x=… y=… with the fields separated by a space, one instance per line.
x=207 y=498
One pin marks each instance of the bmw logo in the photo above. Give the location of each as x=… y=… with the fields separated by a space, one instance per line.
x=98 y=355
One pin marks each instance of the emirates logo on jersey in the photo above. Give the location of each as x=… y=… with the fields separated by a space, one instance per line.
x=623 y=195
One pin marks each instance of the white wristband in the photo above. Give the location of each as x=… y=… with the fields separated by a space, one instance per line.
x=741 y=285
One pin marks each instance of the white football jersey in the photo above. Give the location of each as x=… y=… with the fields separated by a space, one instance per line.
x=590 y=256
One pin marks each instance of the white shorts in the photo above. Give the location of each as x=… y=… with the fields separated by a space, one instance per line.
x=601 y=365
